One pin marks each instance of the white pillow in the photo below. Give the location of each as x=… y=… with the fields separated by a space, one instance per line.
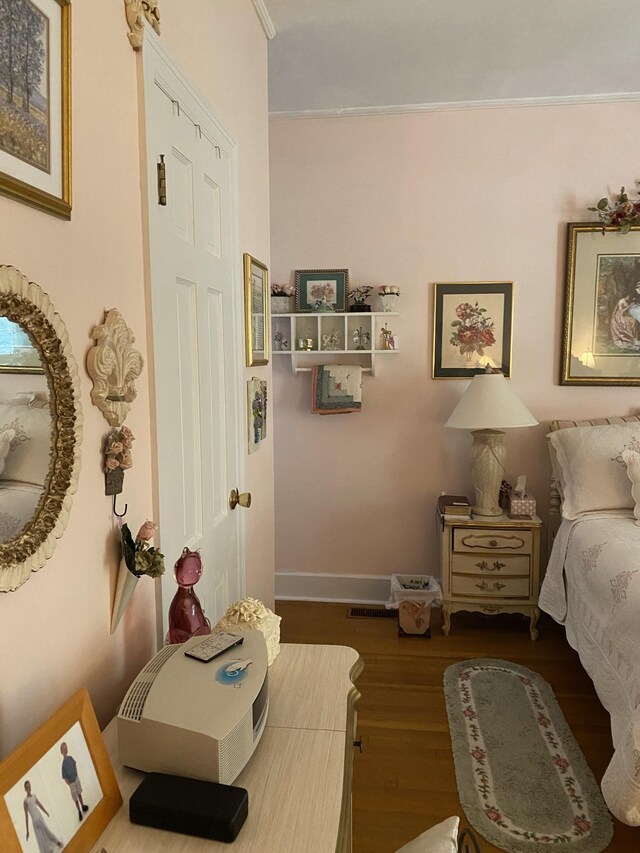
x=6 y=438
x=592 y=470
x=30 y=451
x=441 y=838
x=632 y=461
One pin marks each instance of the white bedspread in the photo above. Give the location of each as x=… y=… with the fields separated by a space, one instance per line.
x=592 y=586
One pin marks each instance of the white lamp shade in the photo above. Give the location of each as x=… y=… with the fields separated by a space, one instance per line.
x=490 y=403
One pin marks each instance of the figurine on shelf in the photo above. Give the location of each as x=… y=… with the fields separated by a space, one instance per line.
x=331 y=342
x=359 y=298
x=279 y=340
x=388 y=341
x=361 y=338
x=186 y=616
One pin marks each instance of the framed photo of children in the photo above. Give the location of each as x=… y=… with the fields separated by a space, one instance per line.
x=58 y=790
x=256 y=307
x=601 y=330
x=35 y=104
x=472 y=328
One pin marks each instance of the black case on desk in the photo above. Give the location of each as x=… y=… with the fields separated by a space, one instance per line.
x=190 y=806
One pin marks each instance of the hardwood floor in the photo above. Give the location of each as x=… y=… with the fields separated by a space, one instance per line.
x=404 y=780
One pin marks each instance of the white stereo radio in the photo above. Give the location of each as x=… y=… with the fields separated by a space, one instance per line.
x=190 y=718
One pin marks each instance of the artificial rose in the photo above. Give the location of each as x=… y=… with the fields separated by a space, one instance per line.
x=115 y=447
x=111 y=464
x=147 y=531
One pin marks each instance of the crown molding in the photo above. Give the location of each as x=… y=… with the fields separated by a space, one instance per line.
x=265 y=18
x=555 y=101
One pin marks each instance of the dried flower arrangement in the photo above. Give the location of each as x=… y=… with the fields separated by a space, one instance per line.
x=282 y=290
x=622 y=214
x=140 y=557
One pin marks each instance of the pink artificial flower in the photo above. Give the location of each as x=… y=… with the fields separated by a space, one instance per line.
x=125 y=432
x=115 y=447
x=147 y=531
x=111 y=464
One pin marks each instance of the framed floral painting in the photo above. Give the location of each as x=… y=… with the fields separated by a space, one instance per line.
x=321 y=290
x=601 y=329
x=472 y=327
x=35 y=103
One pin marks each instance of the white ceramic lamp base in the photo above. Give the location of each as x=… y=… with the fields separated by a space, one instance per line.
x=488 y=455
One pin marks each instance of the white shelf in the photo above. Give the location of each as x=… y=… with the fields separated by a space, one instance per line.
x=346 y=328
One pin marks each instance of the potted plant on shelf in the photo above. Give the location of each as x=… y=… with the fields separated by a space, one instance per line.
x=358 y=296
x=388 y=294
x=281 y=298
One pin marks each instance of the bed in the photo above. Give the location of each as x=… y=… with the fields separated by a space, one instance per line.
x=592 y=582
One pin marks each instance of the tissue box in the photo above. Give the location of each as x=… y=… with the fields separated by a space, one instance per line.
x=522 y=505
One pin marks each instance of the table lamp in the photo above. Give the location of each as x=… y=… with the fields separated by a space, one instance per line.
x=487 y=407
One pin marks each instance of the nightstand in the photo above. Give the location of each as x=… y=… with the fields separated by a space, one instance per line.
x=490 y=564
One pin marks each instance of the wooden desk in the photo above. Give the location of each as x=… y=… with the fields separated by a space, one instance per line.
x=299 y=777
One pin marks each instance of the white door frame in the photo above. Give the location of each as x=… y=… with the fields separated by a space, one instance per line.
x=154 y=59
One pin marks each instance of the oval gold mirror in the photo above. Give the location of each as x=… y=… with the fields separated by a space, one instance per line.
x=40 y=428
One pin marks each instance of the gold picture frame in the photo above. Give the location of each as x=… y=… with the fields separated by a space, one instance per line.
x=601 y=325
x=36 y=796
x=256 y=311
x=35 y=147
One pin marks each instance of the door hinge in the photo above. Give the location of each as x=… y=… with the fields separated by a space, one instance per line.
x=162 y=182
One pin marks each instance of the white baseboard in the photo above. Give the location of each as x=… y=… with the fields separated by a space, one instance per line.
x=349 y=589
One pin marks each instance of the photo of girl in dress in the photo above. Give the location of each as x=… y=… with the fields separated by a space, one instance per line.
x=617 y=329
x=49 y=803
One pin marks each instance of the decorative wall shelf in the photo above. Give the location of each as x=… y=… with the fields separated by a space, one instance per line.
x=309 y=339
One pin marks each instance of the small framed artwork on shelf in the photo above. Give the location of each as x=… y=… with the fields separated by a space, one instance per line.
x=321 y=290
x=472 y=328
x=58 y=790
x=256 y=308
x=601 y=329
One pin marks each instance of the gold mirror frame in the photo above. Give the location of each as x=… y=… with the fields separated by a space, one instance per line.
x=24 y=302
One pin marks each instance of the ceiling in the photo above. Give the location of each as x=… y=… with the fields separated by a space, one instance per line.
x=331 y=56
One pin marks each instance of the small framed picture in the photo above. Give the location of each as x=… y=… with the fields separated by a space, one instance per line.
x=58 y=790
x=321 y=290
x=35 y=104
x=256 y=307
x=256 y=412
x=472 y=324
x=601 y=329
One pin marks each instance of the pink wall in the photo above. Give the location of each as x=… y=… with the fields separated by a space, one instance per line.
x=469 y=195
x=54 y=631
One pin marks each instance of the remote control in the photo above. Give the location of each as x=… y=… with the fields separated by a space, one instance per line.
x=214 y=645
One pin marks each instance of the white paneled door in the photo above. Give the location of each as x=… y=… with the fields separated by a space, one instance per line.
x=195 y=302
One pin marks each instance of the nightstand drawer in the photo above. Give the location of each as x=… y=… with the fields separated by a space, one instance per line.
x=466 y=539
x=493 y=587
x=491 y=564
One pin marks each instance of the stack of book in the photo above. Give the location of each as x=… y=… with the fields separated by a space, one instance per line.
x=454 y=506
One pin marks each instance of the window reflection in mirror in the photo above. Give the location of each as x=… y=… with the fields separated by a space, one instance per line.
x=17 y=353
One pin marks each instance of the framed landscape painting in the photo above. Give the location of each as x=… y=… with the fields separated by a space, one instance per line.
x=472 y=327
x=35 y=103
x=601 y=329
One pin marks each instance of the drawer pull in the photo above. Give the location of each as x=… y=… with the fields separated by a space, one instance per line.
x=493 y=543
x=485 y=567
x=497 y=586
x=359 y=743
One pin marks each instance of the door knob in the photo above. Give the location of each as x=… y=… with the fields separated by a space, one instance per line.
x=242 y=498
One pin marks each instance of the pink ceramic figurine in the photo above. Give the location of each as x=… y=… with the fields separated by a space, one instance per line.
x=186 y=616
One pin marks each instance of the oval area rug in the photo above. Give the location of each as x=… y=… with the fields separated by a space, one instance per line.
x=523 y=781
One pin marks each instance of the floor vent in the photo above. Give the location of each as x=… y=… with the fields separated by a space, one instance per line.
x=371 y=613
